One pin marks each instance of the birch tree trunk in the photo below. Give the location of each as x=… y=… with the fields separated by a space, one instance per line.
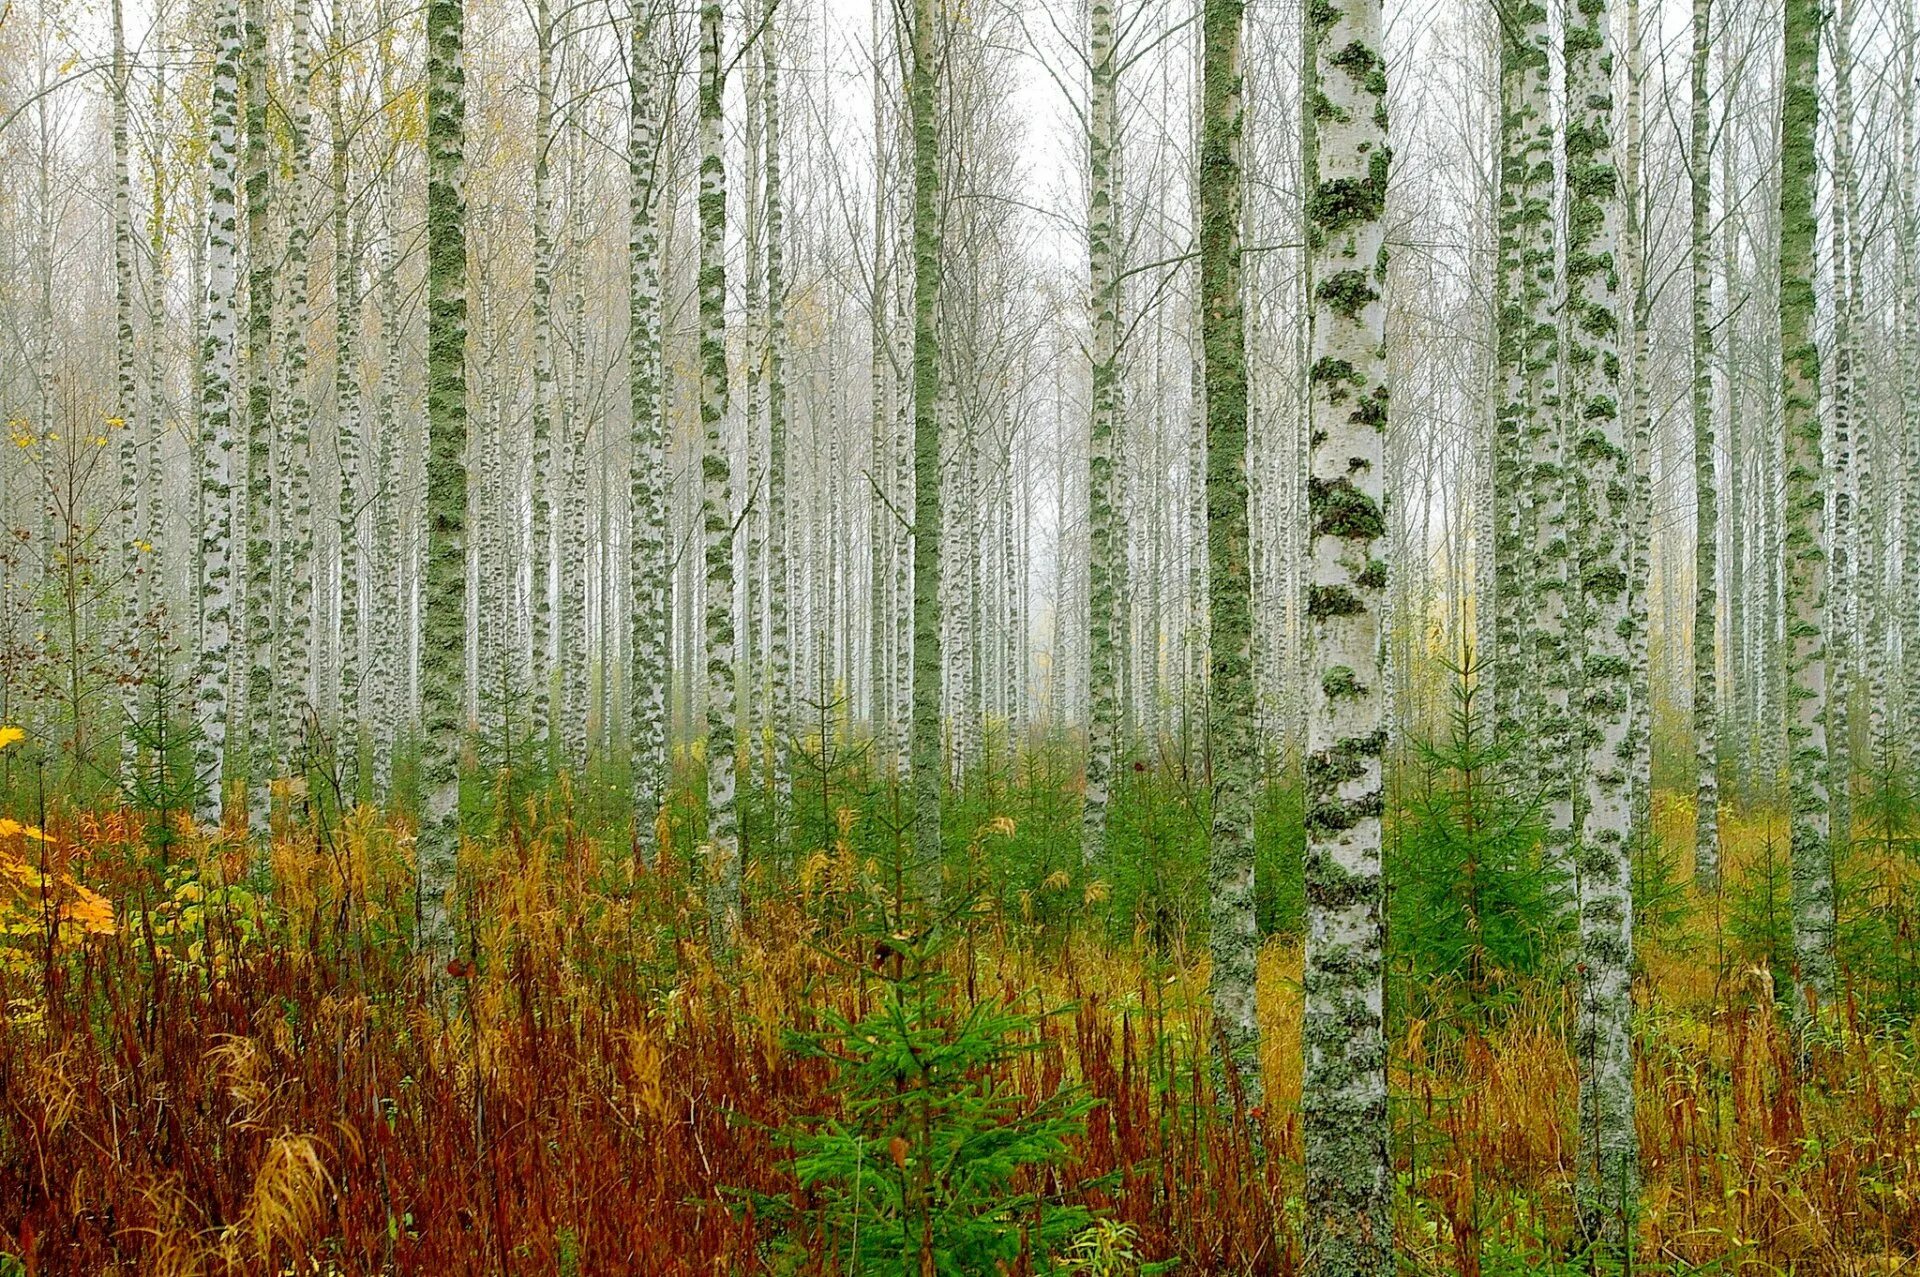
x=779 y=653
x=127 y=512
x=882 y=536
x=1530 y=676
x=1842 y=585
x=443 y=630
x=256 y=634
x=1343 y=1101
x=647 y=686
x=1234 y=940
x=925 y=748
x=1706 y=543
x=292 y=659
x=148 y=524
x=1907 y=313
x=1607 y=1184
x=1640 y=508
x=213 y=666
x=723 y=851
x=1102 y=551
x=1805 y=570
x=543 y=383
x=386 y=645
x=347 y=243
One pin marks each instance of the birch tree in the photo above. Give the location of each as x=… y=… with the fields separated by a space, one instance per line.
x=1103 y=550
x=443 y=627
x=1805 y=568
x=132 y=474
x=924 y=750
x=716 y=464
x=1706 y=538
x=213 y=666
x=1609 y=1151
x=257 y=632
x=779 y=654
x=647 y=681
x=1527 y=338
x=1343 y=1099
x=543 y=378
x=1234 y=942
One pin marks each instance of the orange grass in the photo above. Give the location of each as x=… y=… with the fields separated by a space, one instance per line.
x=227 y=1086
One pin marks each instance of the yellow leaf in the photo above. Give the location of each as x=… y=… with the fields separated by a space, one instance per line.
x=11 y=736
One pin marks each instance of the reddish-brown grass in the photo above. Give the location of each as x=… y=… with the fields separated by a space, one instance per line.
x=224 y=1086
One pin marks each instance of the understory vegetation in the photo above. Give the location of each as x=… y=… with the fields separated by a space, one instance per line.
x=218 y=1055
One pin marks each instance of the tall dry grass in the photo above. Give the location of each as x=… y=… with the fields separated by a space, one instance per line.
x=227 y=1085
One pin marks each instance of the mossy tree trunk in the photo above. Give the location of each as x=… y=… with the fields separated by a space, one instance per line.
x=132 y=475
x=1343 y=1100
x=716 y=466
x=540 y=605
x=1706 y=545
x=1803 y=540
x=924 y=750
x=1234 y=940
x=1104 y=546
x=779 y=649
x=257 y=634
x=293 y=630
x=214 y=659
x=647 y=479
x=1637 y=358
x=1607 y=1172
x=348 y=244
x=443 y=628
x=1524 y=334
x=1843 y=583
x=1907 y=313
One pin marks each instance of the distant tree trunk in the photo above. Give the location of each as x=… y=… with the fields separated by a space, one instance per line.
x=1842 y=586
x=779 y=654
x=127 y=513
x=1607 y=1172
x=574 y=507
x=541 y=603
x=751 y=544
x=1103 y=548
x=1640 y=517
x=1343 y=1102
x=292 y=660
x=213 y=667
x=1706 y=547
x=1744 y=561
x=882 y=526
x=1907 y=311
x=347 y=243
x=1531 y=679
x=443 y=628
x=1805 y=575
x=149 y=524
x=1234 y=940
x=256 y=634
x=647 y=686
x=925 y=751
x=387 y=649
x=723 y=844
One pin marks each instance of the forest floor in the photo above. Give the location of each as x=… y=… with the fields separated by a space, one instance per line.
x=209 y=1080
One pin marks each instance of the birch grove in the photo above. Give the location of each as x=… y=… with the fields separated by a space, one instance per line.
x=1360 y=548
